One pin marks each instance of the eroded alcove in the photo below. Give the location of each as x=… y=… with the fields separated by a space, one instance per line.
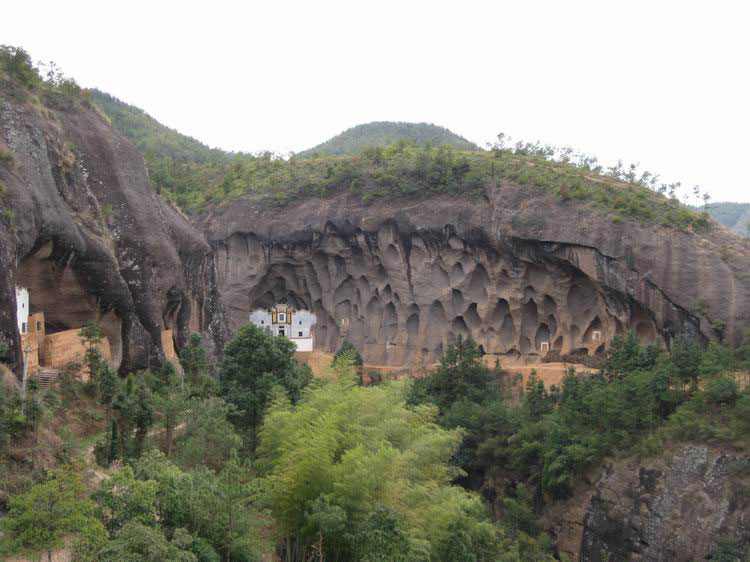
x=400 y=299
x=57 y=293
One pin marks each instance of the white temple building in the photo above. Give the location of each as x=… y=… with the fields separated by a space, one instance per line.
x=22 y=309
x=282 y=320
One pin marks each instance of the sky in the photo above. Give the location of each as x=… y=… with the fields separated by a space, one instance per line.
x=665 y=84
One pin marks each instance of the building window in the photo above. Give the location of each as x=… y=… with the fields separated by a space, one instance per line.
x=38 y=326
x=24 y=327
x=299 y=334
x=544 y=347
x=281 y=332
x=597 y=335
x=282 y=317
x=300 y=322
x=262 y=321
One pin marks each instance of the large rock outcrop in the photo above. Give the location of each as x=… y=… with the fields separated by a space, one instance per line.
x=84 y=232
x=676 y=507
x=515 y=269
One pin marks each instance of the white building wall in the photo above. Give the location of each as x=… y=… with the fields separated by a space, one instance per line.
x=22 y=309
x=299 y=331
x=262 y=319
x=303 y=344
x=302 y=321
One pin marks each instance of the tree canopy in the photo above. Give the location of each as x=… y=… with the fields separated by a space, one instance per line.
x=353 y=472
x=254 y=363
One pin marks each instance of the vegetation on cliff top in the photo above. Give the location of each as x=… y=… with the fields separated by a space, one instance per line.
x=151 y=137
x=22 y=80
x=196 y=177
x=424 y=161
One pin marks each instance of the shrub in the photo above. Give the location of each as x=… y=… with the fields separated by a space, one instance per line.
x=722 y=390
x=6 y=157
x=8 y=216
x=17 y=63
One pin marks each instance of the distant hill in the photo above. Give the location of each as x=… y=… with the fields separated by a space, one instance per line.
x=732 y=215
x=381 y=133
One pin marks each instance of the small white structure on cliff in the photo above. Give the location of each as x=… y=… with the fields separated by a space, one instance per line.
x=282 y=320
x=22 y=309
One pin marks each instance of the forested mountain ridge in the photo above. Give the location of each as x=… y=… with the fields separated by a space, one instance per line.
x=150 y=136
x=398 y=170
x=382 y=133
x=735 y=216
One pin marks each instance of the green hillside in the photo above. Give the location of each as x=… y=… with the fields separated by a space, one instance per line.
x=150 y=136
x=383 y=133
x=735 y=216
x=196 y=177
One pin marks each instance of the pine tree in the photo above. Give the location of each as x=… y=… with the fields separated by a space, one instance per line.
x=41 y=518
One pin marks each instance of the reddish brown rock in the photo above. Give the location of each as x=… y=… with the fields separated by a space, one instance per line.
x=401 y=279
x=89 y=237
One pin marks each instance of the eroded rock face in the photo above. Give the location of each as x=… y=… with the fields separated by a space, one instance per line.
x=402 y=297
x=514 y=271
x=676 y=507
x=91 y=239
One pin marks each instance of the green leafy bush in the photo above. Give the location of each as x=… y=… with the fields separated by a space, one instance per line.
x=722 y=390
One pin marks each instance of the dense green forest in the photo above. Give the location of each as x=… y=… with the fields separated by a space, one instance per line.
x=196 y=177
x=382 y=133
x=259 y=457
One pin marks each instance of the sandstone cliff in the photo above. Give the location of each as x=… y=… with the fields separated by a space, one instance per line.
x=514 y=269
x=523 y=272
x=85 y=233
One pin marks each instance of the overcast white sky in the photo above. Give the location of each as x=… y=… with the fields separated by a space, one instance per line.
x=662 y=83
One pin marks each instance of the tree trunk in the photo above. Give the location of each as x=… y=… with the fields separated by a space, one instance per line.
x=168 y=437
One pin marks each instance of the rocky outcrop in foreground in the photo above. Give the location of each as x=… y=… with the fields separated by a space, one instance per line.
x=84 y=232
x=676 y=507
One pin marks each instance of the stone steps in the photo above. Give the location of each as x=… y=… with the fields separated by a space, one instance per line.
x=46 y=377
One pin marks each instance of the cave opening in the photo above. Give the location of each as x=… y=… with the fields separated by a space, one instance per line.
x=59 y=305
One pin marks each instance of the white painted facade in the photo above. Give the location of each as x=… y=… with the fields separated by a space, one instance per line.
x=281 y=320
x=22 y=309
